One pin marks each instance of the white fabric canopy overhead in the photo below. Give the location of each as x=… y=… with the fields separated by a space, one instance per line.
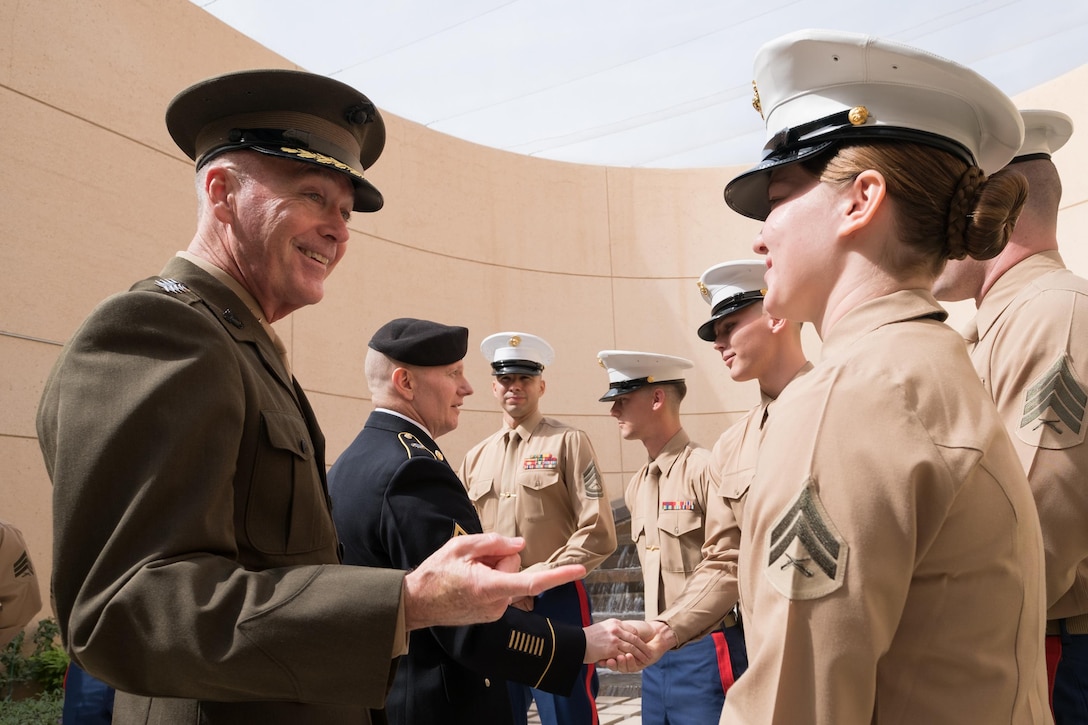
x=640 y=83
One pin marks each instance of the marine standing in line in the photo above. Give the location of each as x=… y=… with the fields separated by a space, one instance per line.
x=538 y=478
x=1029 y=344
x=672 y=500
x=892 y=566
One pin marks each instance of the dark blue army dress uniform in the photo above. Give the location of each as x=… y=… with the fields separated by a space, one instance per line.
x=395 y=501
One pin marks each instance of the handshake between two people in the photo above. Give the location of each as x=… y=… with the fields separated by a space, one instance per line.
x=474 y=578
x=627 y=646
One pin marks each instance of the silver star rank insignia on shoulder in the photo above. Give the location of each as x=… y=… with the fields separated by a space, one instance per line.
x=1054 y=408
x=172 y=286
x=806 y=555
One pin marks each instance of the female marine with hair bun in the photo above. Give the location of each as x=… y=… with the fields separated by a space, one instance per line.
x=892 y=565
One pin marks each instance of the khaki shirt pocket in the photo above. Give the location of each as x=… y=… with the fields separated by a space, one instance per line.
x=536 y=490
x=286 y=511
x=734 y=485
x=486 y=500
x=681 y=533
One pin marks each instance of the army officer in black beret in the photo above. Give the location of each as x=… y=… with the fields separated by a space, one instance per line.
x=396 y=499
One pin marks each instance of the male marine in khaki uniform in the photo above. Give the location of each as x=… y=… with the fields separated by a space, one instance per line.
x=539 y=479
x=754 y=346
x=670 y=499
x=1029 y=343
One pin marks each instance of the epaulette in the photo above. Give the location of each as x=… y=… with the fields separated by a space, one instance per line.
x=416 y=449
x=181 y=291
x=168 y=286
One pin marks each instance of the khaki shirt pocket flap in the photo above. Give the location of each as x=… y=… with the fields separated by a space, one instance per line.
x=538 y=480
x=734 y=485
x=679 y=522
x=480 y=488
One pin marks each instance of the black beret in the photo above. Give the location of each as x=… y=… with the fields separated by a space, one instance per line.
x=421 y=342
x=285 y=113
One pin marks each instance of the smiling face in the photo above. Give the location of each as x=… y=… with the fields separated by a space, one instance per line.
x=518 y=394
x=439 y=393
x=745 y=341
x=287 y=229
x=797 y=240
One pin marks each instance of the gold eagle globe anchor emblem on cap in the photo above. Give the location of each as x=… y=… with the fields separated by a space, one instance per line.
x=755 y=100
x=702 y=289
x=515 y=341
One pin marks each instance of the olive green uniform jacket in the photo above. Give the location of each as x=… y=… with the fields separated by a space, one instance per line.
x=195 y=559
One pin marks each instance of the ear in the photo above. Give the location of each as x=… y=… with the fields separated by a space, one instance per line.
x=864 y=199
x=220 y=186
x=776 y=324
x=658 y=399
x=403 y=383
x=543 y=385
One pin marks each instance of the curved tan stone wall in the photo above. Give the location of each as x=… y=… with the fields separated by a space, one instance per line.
x=94 y=195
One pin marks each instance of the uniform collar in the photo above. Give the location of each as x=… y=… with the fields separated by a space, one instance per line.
x=1010 y=284
x=247 y=299
x=672 y=450
x=416 y=423
x=527 y=426
x=898 y=306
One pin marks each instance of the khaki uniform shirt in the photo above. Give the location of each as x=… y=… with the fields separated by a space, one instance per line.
x=711 y=590
x=892 y=562
x=668 y=499
x=1032 y=356
x=555 y=497
x=20 y=598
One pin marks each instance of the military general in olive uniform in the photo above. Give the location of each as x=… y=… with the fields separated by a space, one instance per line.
x=195 y=561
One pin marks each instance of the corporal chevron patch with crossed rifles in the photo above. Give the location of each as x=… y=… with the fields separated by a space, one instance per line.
x=1054 y=408
x=807 y=556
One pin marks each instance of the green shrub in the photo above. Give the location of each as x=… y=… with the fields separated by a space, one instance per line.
x=45 y=666
x=45 y=709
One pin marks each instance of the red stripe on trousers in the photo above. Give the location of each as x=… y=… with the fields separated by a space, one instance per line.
x=1053 y=656
x=583 y=608
x=725 y=662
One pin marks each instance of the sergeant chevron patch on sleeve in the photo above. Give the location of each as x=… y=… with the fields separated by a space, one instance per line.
x=591 y=479
x=1054 y=408
x=806 y=556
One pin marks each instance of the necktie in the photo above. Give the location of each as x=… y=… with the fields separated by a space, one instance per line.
x=650 y=503
x=506 y=519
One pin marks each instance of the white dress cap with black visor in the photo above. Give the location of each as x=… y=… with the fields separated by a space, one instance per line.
x=285 y=113
x=629 y=370
x=1044 y=133
x=728 y=287
x=517 y=353
x=819 y=88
